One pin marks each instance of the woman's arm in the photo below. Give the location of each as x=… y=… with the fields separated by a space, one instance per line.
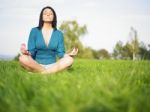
x=61 y=47
x=31 y=43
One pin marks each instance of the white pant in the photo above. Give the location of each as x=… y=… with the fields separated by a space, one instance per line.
x=47 y=66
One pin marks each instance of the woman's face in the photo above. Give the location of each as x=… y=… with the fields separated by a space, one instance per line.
x=48 y=15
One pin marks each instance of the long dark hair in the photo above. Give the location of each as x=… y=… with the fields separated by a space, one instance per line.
x=41 y=22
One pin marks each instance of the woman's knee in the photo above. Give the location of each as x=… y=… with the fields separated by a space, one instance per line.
x=23 y=59
x=69 y=60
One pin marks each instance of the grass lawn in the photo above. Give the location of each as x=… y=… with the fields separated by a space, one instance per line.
x=88 y=86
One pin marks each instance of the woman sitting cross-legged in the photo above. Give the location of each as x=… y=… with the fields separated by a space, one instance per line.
x=44 y=44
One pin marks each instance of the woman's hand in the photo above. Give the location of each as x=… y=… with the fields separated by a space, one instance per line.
x=23 y=49
x=73 y=52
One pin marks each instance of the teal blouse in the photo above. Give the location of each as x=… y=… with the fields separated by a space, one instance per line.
x=46 y=54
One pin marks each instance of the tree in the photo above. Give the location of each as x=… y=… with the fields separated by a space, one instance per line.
x=117 y=51
x=95 y=54
x=126 y=53
x=103 y=54
x=144 y=52
x=134 y=43
x=87 y=53
x=132 y=49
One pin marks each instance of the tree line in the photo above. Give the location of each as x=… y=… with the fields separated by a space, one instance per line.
x=131 y=50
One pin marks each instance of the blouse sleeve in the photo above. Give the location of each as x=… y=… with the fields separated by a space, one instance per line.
x=31 y=43
x=61 y=47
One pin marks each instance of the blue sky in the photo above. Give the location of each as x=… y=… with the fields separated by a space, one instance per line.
x=108 y=21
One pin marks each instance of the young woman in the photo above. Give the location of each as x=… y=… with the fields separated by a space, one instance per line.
x=44 y=44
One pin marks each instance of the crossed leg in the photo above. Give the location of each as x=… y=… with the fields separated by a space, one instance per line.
x=60 y=65
x=30 y=64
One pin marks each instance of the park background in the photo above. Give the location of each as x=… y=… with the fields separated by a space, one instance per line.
x=111 y=72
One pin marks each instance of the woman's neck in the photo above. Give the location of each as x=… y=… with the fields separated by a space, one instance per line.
x=47 y=26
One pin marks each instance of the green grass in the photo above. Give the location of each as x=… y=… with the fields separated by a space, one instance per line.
x=89 y=86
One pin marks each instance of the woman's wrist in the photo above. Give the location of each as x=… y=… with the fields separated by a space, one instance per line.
x=68 y=54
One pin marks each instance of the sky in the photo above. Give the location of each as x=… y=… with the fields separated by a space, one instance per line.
x=107 y=21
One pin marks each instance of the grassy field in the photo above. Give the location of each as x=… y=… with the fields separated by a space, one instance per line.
x=89 y=86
